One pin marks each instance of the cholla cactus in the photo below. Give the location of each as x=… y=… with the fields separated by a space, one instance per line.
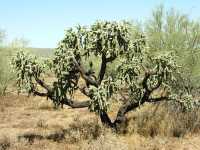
x=138 y=72
x=27 y=68
x=101 y=95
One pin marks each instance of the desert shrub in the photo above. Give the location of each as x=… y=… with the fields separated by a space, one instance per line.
x=5 y=70
x=171 y=30
x=86 y=129
x=105 y=142
x=4 y=65
x=164 y=120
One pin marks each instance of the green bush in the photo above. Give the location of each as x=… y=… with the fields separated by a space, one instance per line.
x=5 y=70
x=170 y=30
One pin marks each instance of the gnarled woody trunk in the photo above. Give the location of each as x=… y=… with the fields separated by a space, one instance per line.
x=121 y=118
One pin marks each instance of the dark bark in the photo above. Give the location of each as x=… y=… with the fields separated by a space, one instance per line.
x=40 y=93
x=82 y=71
x=145 y=80
x=85 y=91
x=102 y=69
x=106 y=120
x=131 y=104
x=104 y=62
x=68 y=102
x=128 y=106
x=76 y=104
x=121 y=118
x=43 y=84
x=110 y=59
x=157 y=99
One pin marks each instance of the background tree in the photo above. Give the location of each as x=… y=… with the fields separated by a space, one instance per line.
x=19 y=43
x=5 y=69
x=139 y=72
x=169 y=30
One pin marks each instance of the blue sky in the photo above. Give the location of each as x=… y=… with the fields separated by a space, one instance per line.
x=43 y=22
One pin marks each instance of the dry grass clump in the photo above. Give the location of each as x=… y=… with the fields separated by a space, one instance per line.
x=30 y=102
x=45 y=105
x=107 y=141
x=32 y=137
x=79 y=130
x=42 y=124
x=41 y=103
x=86 y=129
x=164 y=120
x=90 y=134
x=42 y=145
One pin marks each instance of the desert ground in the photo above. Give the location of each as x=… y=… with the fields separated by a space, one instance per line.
x=33 y=123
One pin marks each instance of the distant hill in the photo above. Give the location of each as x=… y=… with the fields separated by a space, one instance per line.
x=44 y=52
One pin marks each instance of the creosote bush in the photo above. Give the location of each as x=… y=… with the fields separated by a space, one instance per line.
x=138 y=72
